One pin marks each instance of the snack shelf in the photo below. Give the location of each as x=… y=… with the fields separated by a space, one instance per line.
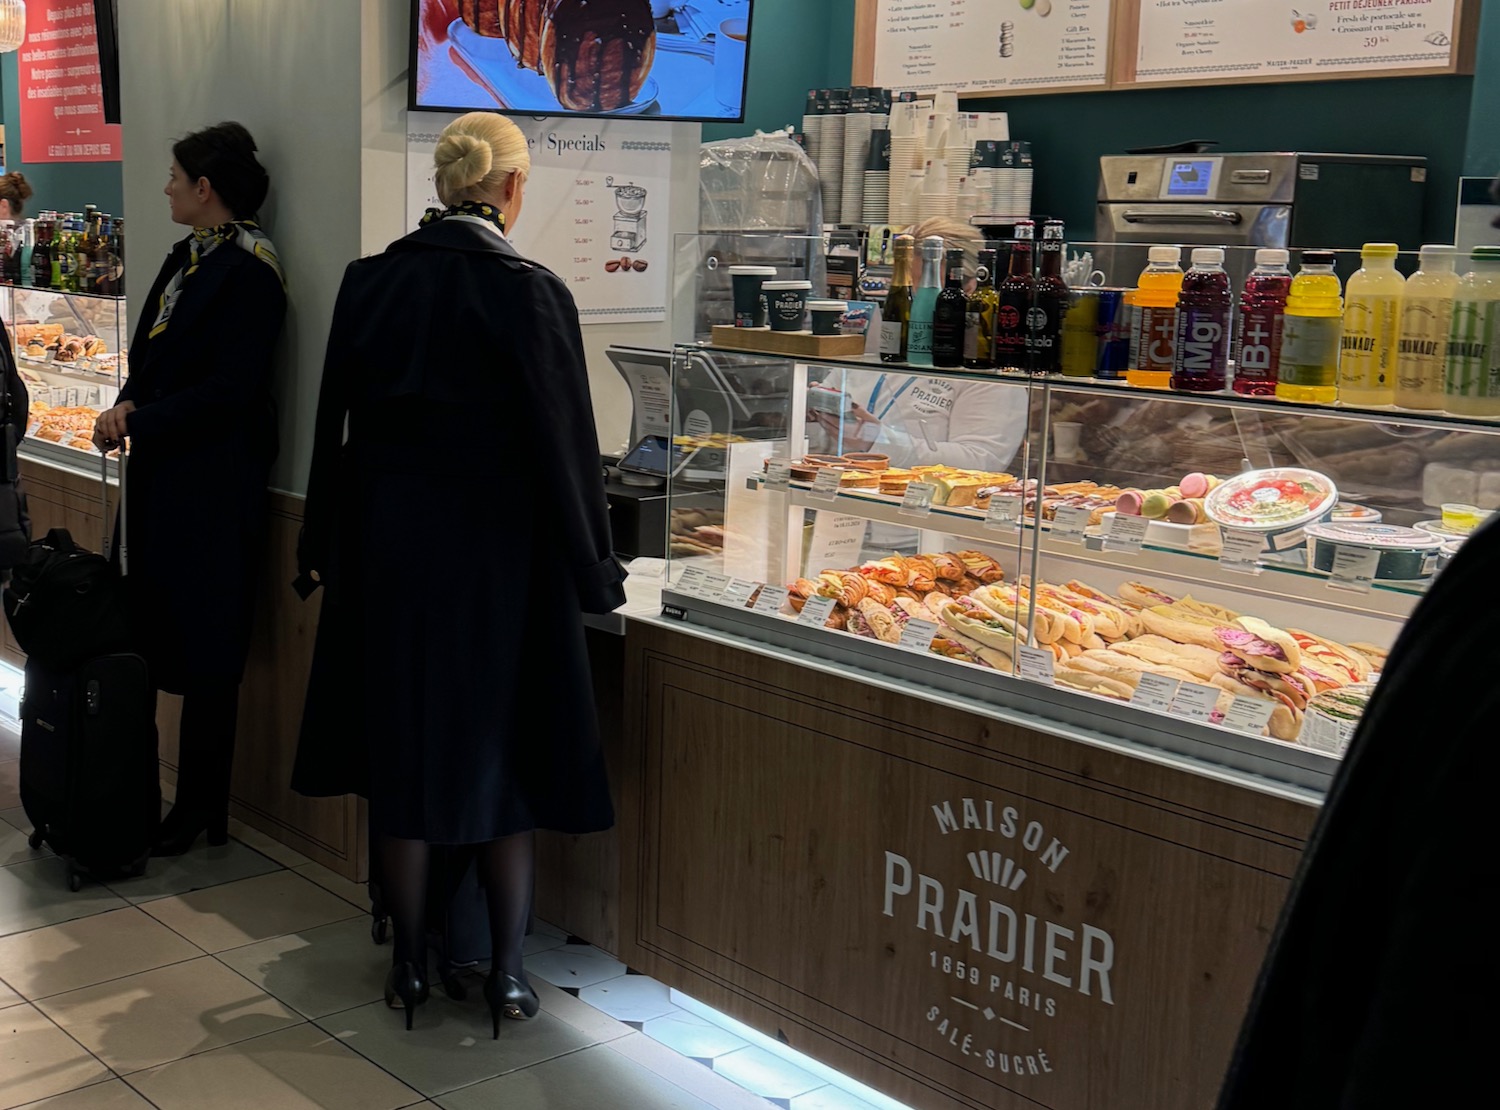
x=1059 y=383
x=1276 y=580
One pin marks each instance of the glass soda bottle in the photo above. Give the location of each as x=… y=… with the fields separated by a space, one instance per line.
x=950 y=315
x=1155 y=336
x=1016 y=295
x=1426 y=320
x=924 y=303
x=1372 y=328
x=1262 y=316
x=1308 y=369
x=1473 y=370
x=979 y=327
x=1044 y=321
x=1200 y=362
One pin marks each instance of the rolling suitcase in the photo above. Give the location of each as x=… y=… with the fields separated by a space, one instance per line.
x=90 y=781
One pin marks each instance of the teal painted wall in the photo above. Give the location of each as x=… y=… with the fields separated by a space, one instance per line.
x=61 y=186
x=1482 y=158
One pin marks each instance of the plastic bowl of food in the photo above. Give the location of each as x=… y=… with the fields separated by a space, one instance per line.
x=1279 y=503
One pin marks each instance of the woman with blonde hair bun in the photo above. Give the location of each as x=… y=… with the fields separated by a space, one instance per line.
x=449 y=649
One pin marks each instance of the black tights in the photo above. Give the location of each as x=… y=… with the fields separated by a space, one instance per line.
x=506 y=871
x=205 y=754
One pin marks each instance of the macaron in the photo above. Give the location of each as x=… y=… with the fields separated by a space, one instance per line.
x=1155 y=504
x=1195 y=485
x=1129 y=502
x=1189 y=511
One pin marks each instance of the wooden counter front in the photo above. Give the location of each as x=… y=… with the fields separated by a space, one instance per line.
x=956 y=911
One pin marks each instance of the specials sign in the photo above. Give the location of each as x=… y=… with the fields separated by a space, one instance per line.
x=61 y=89
x=1002 y=956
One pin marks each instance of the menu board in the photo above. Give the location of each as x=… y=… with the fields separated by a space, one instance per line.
x=974 y=46
x=1222 y=40
x=61 y=91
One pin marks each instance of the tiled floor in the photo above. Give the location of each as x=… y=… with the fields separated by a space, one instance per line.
x=244 y=977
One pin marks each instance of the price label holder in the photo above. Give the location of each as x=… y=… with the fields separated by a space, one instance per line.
x=918 y=499
x=825 y=486
x=1127 y=534
x=1005 y=513
x=1241 y=551
x=691 y=581
x=1195 y=702
x=1155 y=693
x=1250 y=715
x=816 y=612
x=918 y=635
x=778 y=474
x=1069 y=523
x=771 y=599
x=713 y=587
x=1038 y=665
x=738 y=592
x=1354 y=569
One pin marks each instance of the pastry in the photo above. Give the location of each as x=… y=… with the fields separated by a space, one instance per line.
x=982 y=567
x=921 y=574
x=1374 y=654
x=1094 y=683
x=483 y=17
x=880 y=619
x=594 y=53
x=949 y=566
x=853 y=589
x=859 y=479
x=866 y=461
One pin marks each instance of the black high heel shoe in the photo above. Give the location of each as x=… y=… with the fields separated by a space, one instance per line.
x=408 y=982
x=177 y=835
x=511 y=996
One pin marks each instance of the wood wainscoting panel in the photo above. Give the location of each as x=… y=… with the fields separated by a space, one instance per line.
x=959 y=912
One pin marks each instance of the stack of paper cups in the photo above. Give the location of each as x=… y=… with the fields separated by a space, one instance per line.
x=831 y=155
x=877 y=209
x=856 y=153
x=938 y=196
x=812 y=124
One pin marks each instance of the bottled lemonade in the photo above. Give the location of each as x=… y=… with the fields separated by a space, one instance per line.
x=1201 y=360
x=1426 y=319
x=1156 y=318
x=1257 y=341
x=1372 y=327
x=1308 y=369
x=1473 y=372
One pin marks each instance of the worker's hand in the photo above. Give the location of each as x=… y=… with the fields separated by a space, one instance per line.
x=856 y=430
x=110 y=429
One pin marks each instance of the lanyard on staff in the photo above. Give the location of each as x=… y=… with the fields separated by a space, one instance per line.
x=875 y=397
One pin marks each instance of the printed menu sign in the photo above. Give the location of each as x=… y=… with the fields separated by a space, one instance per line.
x=1225 y=39
x=61 y=94
x=976 y=45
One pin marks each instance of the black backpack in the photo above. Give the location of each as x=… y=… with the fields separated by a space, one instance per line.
x=65 y=603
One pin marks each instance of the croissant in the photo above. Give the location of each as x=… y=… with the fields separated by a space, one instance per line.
x=891 y=570
x=982 y=567
x=881 y=592
x=921 y=575
x=854 y=589
x=830 y=583
x=949 y=566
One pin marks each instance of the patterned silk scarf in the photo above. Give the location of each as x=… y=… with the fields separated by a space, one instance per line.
x=473 y=209
x=245 y=234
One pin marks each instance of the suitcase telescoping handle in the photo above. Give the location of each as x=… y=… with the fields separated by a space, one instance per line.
x=109 y=531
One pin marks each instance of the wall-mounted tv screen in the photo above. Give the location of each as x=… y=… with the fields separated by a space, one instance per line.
x=660 y=59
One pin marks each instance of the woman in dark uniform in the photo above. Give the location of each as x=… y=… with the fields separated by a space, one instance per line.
x=461 y=531
x=198 y=413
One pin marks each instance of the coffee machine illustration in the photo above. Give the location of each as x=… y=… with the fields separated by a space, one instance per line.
x=630 y=217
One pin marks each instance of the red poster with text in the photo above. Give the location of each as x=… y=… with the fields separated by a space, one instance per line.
x=62 y=99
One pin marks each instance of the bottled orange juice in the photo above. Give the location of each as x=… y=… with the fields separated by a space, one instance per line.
x=1155 y=301
x=1372 y=327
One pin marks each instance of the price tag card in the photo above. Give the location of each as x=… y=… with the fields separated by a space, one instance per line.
x=918 y=635
x=1069 y=523
x=1324 y=734
x=738 y=592
x=691 y=581
x=825 y=486
x=771 y=599
x=1005 y=513
x=1126 y=533
x=1250 y=715
x=918 y=499
x=1354 y=569
x=778 y=473
x=1241 y=551
x=817 y=611
x=1038 y=665
x=713 y=587
x=1195 y=702
x=1155 y=693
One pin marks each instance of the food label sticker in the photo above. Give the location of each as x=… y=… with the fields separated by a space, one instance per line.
x=825 y=486
x=778 y=473
x=1354 y=569
x=1195 y=702
x=691 y=581
x=918 y=635
x=1038 y=665
x=713 y=587
x=1325 y=734
x=738 y=592
x=1126 y=533
x=771 y=599
x=918 y=499
x=1005 y=513
x=1070 y=522
x=817 y=611
x=1155 y=693
x=1250 y=715
x=1241 y=551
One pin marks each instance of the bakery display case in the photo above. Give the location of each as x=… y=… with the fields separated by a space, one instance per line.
x=70 y=351
x=1214 y=577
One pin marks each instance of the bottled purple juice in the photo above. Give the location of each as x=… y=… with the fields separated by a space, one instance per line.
x=1201 y=361
x=1262 y=318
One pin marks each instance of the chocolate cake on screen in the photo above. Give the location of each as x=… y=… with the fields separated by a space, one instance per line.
x=484 y=17
x=521 y=22
x=596 y=53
